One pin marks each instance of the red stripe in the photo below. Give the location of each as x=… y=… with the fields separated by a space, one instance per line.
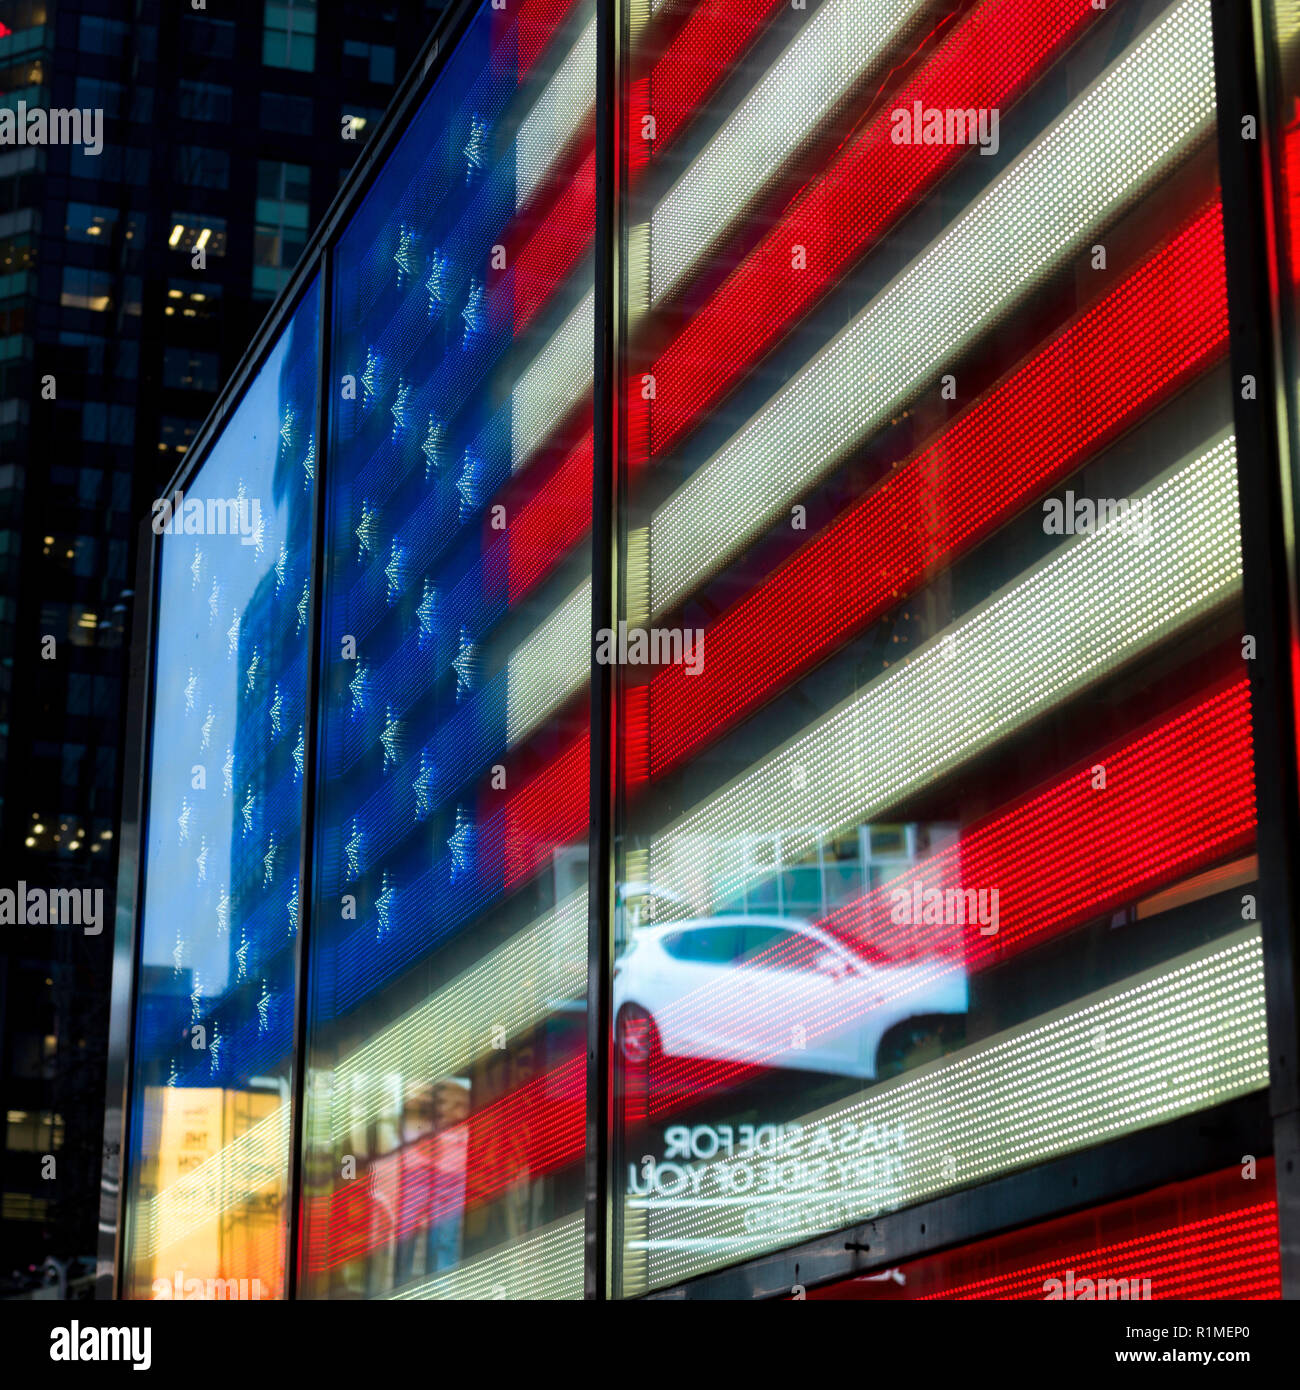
x=538 y=21
x=551 y=810
x=553 y=520
x=1210 y=1237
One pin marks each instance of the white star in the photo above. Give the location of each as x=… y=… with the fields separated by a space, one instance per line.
x=309 y=463
x=395 y=571
x=258 y=535
x=247 y=811
x=228 y=772
x=232 y=636
x=465 y=664
x=435 y=439
x=183 y=820
x=241 y=955
x=223 y=911
x=250 y=676
x=264 y=1009
x=459 y=843
x=427 y=612
x=436 y=283
x=209 y=720
x=353 y=851
x=302 y=606
x=384 y=905
x=398 y=409
x=405 y=255
x=280 y=561
x=292 y=904
x=287 y=421
x=178 y=953
x=474 y=314
x=214 y=603
x=467 y=482
x=370 y=376
x=299 y=753
x=358 y=686
x=196 y=567
x=268 y=862
x=201 y=859
x=365 y=532
x=191 y=690
x=389 y=738
x=476 y=148
x=422 y=786
x=214 y=1050
x=277 y=711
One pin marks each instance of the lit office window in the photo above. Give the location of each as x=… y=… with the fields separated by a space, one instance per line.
x=289 y=34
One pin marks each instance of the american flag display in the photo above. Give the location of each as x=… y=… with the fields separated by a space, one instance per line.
x=933 y=772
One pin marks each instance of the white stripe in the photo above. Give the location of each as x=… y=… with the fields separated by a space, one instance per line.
x=549 y=666
x=562 y=110
x=544 y=1265
x=553 y=383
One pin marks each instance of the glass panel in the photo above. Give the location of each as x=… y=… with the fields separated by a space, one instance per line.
x=446 y=1067
x=208 y=1186
x=934 y=653
x=1213 y=1237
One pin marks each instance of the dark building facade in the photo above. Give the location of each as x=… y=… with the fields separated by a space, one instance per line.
x=131 y=280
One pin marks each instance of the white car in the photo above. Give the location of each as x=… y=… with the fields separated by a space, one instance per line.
x=779 y=992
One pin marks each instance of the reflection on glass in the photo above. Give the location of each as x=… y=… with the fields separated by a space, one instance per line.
x=446 y=1071
x=929 y=453
x=208 y=1184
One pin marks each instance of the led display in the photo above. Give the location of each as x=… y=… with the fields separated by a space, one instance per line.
x=210 y=1121
x=446 y=1044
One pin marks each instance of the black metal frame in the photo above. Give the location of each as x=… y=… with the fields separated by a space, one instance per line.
x=1268 y=449
x=606 y=548
x=1268 y=559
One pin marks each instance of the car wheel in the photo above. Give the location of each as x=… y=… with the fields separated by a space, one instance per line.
x=638 y=1038
x=916 y=1041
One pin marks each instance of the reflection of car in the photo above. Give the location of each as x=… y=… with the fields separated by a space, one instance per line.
x=752 y=989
